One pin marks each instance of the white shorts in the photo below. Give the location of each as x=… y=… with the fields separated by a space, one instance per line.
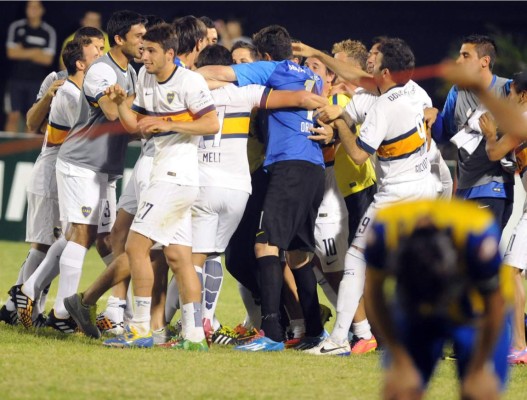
x=216 y=214
x=108 y=210
x=331 y=226
x=136 y=185
x=164 y=213
x=516 y=253
x=42 y=219
x=43 y=180
x=82 y=194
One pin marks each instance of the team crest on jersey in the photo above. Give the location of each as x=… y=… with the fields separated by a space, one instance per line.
x=86 y=211
x=170 y=97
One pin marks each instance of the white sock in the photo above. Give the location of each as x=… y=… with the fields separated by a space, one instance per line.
x=129 y=306
x=212 y=281
x=107 y=260
x=191 y=322
x=298 y=328
x=326 y=287
x=254 y=311
x=33 y=260
x=48 y=270
x=199 y=271
x=215 y=324
x=115 y=309
x=71 y=263
x=172 y=301
x=350 y=292
x=141 y=319
x=362 y=329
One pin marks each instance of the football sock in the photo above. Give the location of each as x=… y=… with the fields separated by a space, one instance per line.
x=307 y=293
x=71 y=262
x=253 y=307
x=350 y=292
x=141 y=319
x=33 y=260
x=362 y=329
x=212 y=280
x=191 y=322
x=271 y=281
x=172 y=300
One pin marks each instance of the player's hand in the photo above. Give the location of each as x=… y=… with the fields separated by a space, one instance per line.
x=313 y=101
x=323 y=134
x=153 y=125
x=303 y=50
x=430 y=115
x=52 y=91
x=116 y=94
x=480 y=385
x=341 y=88
x=488 y=126
x=464 y=76
x=402 y=383
x=329 y=112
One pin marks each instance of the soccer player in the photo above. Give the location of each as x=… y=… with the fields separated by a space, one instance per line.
x=480 y=179
x=92 y=156
x=243 y=52
x=192 y=38
x=176 y=106
x=394 y=130
x=212 y=33
x=515 y=257
x=42 y=193
x=450 y=286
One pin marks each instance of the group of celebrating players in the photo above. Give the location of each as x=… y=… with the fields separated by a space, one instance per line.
x=274 y=153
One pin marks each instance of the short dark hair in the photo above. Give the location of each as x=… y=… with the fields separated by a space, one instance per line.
x=241 y=44
x=397 y=56
x=214 y=54
x=73 y=52
x=519 y=80
x=121 y=22
x=485 y=46
x=426 y=268
x=275 y=41
x=208 y=22
x=153 y=20
x=164 y=35
x=189 y=31
x=88 y=32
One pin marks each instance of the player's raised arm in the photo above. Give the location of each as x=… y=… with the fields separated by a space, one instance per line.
x=117 y=95
x=220 y=73
x=36 y=115
x=297 y=99
x=206 y=124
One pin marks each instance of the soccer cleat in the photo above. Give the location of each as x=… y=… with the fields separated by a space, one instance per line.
x=363 y=346
x=9 y=317
x=325 y=314
x=62 y=325
x=131 y=338
x=24 y=306
x=207 y=328
x=291 y=343
x=83 y=315
x=517 y=357
x=40 y=321
x=225 y=336
x=107 y=325
x=261 y=343
x=307 y=342
x=245 y=334
x=329 y=348
x=185 y=344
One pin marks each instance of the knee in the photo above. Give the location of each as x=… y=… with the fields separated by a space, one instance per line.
x=103 y=245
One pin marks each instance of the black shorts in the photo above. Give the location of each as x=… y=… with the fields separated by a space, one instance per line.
x=357 y=204
x=295 y=191
x=22 y=95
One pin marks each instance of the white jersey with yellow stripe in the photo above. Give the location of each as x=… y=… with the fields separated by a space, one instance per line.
x=62 y=115
x=184 y=96
x=223 y=157
x=394 y=129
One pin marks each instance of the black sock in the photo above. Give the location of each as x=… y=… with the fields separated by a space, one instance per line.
x=271 y=280
x=306 y=283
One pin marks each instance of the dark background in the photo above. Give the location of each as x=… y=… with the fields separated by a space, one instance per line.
x=433 y=29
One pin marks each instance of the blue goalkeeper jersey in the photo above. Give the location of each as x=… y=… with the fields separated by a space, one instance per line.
x=288 y=128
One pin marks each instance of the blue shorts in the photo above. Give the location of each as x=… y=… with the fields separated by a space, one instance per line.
x=424 y=340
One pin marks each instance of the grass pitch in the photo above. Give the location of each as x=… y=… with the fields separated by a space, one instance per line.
x=42 y=364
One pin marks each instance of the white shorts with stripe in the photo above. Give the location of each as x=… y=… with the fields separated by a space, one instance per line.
x=137 y=184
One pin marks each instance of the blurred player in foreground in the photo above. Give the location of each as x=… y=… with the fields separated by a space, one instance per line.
x=450 y=285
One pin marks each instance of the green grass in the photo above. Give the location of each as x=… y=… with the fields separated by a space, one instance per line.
x=47 y=365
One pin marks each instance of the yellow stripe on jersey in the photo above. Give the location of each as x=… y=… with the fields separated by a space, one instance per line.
x=400 y=147
x=179 y=117
x=56 y=136
x=235 y=125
